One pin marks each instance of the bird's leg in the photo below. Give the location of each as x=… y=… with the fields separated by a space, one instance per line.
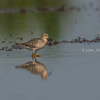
x=35 y=52
x=35 y=59
x=33 y=55
x=37 y=55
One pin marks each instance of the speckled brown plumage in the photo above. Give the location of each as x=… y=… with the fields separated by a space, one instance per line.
x=35 y=43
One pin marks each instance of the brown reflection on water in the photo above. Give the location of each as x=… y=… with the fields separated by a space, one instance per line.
x=36 y=67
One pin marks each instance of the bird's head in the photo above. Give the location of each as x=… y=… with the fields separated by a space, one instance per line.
x=45 y=36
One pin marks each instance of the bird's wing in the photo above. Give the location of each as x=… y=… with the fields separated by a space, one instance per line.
x=30 y=44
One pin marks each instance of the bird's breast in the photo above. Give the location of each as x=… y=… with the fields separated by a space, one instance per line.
x=41 y=43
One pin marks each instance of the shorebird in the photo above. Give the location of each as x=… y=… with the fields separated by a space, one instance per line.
x=35 y=44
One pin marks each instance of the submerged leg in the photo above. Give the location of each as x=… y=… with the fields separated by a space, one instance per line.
x=35 y=52
x=35 y=59
x=32 y=55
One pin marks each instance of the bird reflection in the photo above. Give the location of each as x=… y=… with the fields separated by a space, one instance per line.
x=36 y=67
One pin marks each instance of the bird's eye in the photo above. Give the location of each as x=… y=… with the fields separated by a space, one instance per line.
x=45 y=35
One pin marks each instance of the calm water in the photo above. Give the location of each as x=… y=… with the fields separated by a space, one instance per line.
x=74 y=68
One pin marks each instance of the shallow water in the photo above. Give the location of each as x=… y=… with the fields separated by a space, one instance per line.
x=75 y=74
x=73 y=67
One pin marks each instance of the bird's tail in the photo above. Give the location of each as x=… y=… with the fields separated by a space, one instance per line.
x=24 y=45
x=17 y=46
x=20 y=44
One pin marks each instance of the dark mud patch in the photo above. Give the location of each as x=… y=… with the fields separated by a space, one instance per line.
x=11 y=48
x=49 y=9
x=76 y=40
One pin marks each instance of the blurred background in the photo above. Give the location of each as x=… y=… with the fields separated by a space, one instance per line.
x=61 y=19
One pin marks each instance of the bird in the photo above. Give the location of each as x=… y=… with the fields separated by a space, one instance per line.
x=36 y=67
x=35 y=44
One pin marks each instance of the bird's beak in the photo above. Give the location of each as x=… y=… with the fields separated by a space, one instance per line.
x=49 y=39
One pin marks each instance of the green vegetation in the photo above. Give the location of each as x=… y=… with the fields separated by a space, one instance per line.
x=30 y=3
